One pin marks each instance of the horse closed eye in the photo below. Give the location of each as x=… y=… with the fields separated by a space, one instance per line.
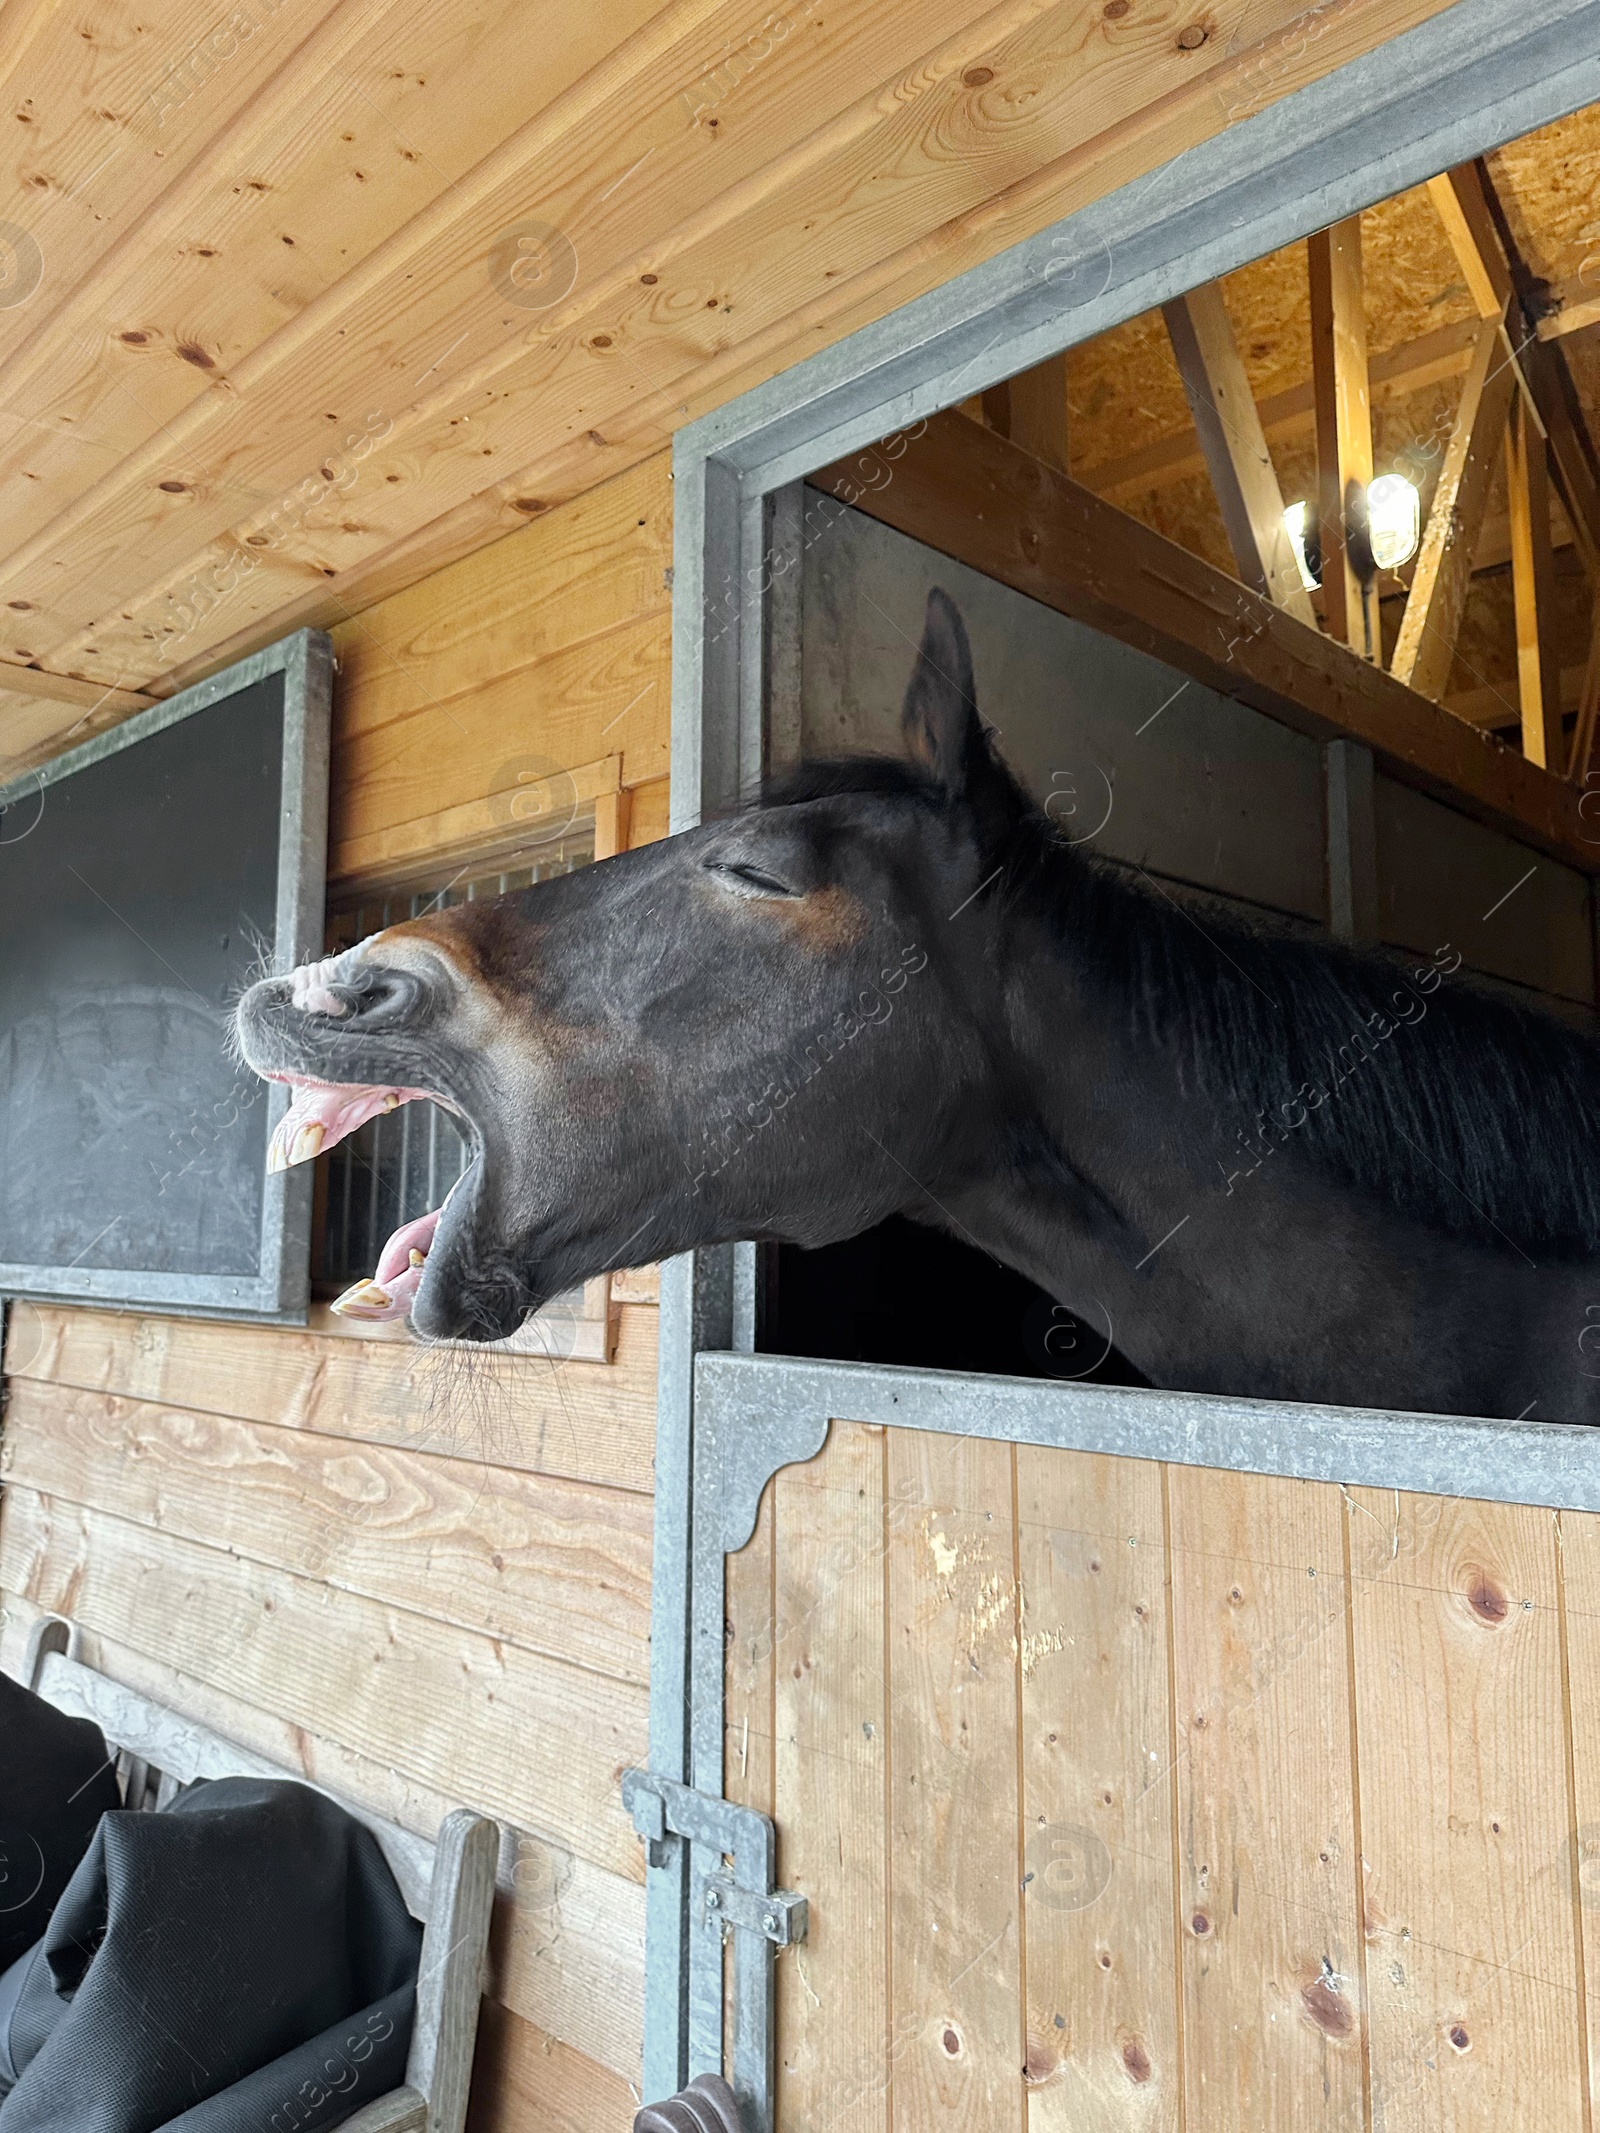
x=750 y=881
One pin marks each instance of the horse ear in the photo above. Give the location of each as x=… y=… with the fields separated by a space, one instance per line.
x=940 y=718
x=942 y=726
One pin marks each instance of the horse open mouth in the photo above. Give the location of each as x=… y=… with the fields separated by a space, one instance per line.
x=320 y=1115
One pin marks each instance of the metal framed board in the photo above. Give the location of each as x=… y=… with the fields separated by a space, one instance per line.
x=201 y=821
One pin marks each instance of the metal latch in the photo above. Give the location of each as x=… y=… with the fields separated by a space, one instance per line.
x=743 y=1900
x=779 y=1916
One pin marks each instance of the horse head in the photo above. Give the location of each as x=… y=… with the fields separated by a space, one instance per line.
x=782 y=1025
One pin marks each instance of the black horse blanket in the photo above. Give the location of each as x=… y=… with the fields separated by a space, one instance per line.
x=240 y=1963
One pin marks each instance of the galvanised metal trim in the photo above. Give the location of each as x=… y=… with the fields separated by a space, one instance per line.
x=281 y=1290
x=771 y=1407
x=1477 y=75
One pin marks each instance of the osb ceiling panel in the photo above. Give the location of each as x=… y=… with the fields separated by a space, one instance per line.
x=298 y=303
x=1550 y=185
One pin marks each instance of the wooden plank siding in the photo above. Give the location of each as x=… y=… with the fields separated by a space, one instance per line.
x=1142 y=1797
x=421 y=1577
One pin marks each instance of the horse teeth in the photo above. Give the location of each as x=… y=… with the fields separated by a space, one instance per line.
x=391 y=1102
x=363 y=1299
x=307 y=1143
x=418 y=1258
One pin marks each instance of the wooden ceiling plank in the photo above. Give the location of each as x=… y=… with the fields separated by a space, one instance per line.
x=972 y=495
x=1425 y=648
x=766 y=244
x=1533 y=583
x=341 y=149
x=1147 y=109
x=1229 y=427
x=1342 y=395
x=378 y=335
x=111 y=109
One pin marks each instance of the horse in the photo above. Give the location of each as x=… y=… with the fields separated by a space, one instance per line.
x=1270 y=1163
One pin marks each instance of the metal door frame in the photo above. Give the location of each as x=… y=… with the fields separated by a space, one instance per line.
x=1470 y=79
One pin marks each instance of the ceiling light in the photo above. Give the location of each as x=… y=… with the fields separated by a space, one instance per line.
x=1294 y=521
x=1394 y=520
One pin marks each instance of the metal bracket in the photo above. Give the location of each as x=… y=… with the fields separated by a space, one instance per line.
x=743 y=1900
x=781 y=1916
x=742 y=1904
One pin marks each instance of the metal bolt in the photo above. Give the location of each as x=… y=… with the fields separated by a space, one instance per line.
x=769 y=1922
x=713 y=1899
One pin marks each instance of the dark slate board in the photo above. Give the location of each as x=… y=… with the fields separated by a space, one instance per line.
x=139 y=893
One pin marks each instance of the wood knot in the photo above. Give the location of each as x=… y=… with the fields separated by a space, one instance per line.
x=978 y=77
x=1328 y=2007
x=1192 y=38
x=1040 y=2063
x=1136 y=2060
x=951 y=2040
x=192 y=352
x=1200 y=1925
x=1460 y=2039
x=1488 y=1599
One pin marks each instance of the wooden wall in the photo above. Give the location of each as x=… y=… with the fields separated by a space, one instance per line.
x=423 y=1580
x=1131 y=1797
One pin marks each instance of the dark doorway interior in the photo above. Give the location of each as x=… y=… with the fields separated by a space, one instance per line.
x=901 y=1293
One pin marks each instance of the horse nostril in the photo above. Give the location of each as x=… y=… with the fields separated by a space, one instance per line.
x=378 y=996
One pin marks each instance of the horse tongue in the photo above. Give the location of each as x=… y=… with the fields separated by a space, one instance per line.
x=392 y=1289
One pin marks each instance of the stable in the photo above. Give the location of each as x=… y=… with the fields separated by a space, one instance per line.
x=889 y=1696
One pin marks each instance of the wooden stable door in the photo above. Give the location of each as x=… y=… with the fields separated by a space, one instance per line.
x=1133 y=1796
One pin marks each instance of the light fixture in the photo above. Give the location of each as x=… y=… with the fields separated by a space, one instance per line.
x=1294 y=522
x=1394 y=520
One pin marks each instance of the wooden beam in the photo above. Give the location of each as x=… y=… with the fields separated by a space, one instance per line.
x=69 y=689
x=1544 y=367
x=1039 y=411
x=972 y=495
x=995 y=405
x=1444 y=353
x=1580 y=761
x=1425 y=649
x=1577 y=306
x=1462 y=197
x=1342 y=393
x=1463 y=209
x=1242 y=473
x=1533 y=583
x=1495 y=705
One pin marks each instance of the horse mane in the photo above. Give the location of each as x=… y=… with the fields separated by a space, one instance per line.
x=1478 y=1113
